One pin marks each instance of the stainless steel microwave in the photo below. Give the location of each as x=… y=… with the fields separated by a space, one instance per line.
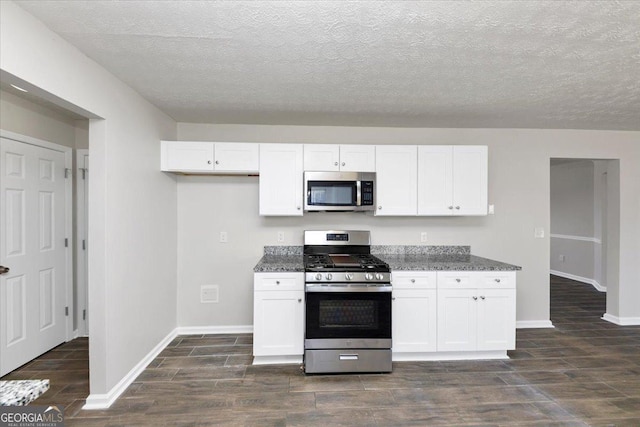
x=339 y=191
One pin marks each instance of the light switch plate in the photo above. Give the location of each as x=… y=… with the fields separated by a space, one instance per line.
x=423 y=237
x=538 y=233
x=224 y=238
x=280 y=236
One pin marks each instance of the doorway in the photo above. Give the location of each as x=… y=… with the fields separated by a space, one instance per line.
x=582 y=218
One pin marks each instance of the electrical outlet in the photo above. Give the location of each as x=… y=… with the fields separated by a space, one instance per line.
x=224 y=238
x=209 y=294
x=423 y=237
x=492 y=209
x=538 y=233
x=280 y=236
x=561 y=258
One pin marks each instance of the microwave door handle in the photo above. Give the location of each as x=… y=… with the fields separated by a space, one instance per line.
x=358 y=193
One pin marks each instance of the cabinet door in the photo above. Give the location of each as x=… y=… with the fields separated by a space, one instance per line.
x=457 y=312
x=321 y=157
x=281 y=179
x=414 y=320
x=496 y=319
x=236 y=157
x=182 y=156
x=397 y=180
x=470 y=180
x=278 y=323
x=435 y=180
x=358 y=158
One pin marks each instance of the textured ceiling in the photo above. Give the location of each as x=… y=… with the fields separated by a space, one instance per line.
x=523 y=64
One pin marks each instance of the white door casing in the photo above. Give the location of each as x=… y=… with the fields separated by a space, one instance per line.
x=35 y=220
x=82 y=243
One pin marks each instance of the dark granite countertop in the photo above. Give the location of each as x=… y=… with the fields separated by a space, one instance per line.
x=408 y=258
x=446 y=262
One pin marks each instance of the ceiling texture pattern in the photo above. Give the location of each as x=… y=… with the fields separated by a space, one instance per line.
x=509 y=64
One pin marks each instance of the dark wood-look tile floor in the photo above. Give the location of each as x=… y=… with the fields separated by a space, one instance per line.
x=585 y=372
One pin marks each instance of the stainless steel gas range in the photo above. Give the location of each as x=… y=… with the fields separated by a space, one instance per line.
x=348 y=304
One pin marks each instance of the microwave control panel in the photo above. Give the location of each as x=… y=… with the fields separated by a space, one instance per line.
x=366 y=188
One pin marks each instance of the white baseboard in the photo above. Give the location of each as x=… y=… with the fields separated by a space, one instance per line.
x=195 y=330
x=277 y=360
x=533 y=324
x=622 y=321
x=103 y=401
x=449 y=355
x=581 y=279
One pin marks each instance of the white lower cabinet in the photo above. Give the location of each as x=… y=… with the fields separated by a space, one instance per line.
x=278 y=317
x=476 y=311
x=413 y=312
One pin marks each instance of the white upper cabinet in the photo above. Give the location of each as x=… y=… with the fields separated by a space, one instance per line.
x=183 y=156
x=396 y=180
x=334 y=157
x=452 y=180
x=209 y=157
x=233 y=157
x=281 y=179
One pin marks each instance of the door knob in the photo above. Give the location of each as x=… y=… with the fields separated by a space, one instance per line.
x=4 y=269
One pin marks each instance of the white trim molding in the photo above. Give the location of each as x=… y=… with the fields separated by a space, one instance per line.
x=534 y=324
x=196 y=330
x=104 y=401
x=581 y=279
x=622 y=321
x=581 y=238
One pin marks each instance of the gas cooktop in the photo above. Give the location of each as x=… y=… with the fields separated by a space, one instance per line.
x=344 y=262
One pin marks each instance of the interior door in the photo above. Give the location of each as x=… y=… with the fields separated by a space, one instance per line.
x=82 y=244
x=32 y=246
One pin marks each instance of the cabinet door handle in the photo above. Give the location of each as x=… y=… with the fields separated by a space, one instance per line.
x=298 y=207
x=458 y=280
x=450 y=207
x=299 y=299
x=393 y=298
x=335 y=164
x=497 y=280
x=482 y=297
x=217 y=162
x=413 y=280
x=379 y=208
x=277 y=282
x=475 y=298
x=457 y=207
x=4 y=269
x=343 y=163
x=208 y=162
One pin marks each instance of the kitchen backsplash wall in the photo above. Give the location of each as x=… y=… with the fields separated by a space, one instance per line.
x=519 y=176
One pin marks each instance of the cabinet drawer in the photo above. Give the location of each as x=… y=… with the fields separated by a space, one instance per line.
x=278 y=282
x=457 y=280
x=498 y=280
x=413 y=279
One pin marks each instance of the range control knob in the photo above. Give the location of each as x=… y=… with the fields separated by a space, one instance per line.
x=348 y=276
x=318 y=276
x=368 y=276
x=378 y=276
x=329 y=276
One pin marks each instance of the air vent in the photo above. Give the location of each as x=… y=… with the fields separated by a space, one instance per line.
x=209 y=294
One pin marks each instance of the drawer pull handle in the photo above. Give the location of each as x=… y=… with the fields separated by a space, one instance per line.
x=413 y=280
x=277 y=282
x=458 y=280
x=299 y=299
x=348 y=357
x=497 y=280
x=393 y=299
x=482 y=297
x=475 y=298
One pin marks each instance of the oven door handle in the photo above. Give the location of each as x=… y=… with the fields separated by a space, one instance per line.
x=348 y=288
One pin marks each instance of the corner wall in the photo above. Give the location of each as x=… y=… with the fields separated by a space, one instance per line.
x=132 y=215
x=519 y=186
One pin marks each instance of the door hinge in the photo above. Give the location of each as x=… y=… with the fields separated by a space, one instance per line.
x=66 y=242
x=84 y=173
x=67 y=172
x=84 y=314
x=66 y=311
x=84 y=245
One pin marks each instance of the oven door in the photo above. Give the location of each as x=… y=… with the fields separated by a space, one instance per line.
x=354 y=318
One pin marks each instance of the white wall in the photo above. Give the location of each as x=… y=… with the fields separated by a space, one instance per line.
x=519 y=182
x=132 y=215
